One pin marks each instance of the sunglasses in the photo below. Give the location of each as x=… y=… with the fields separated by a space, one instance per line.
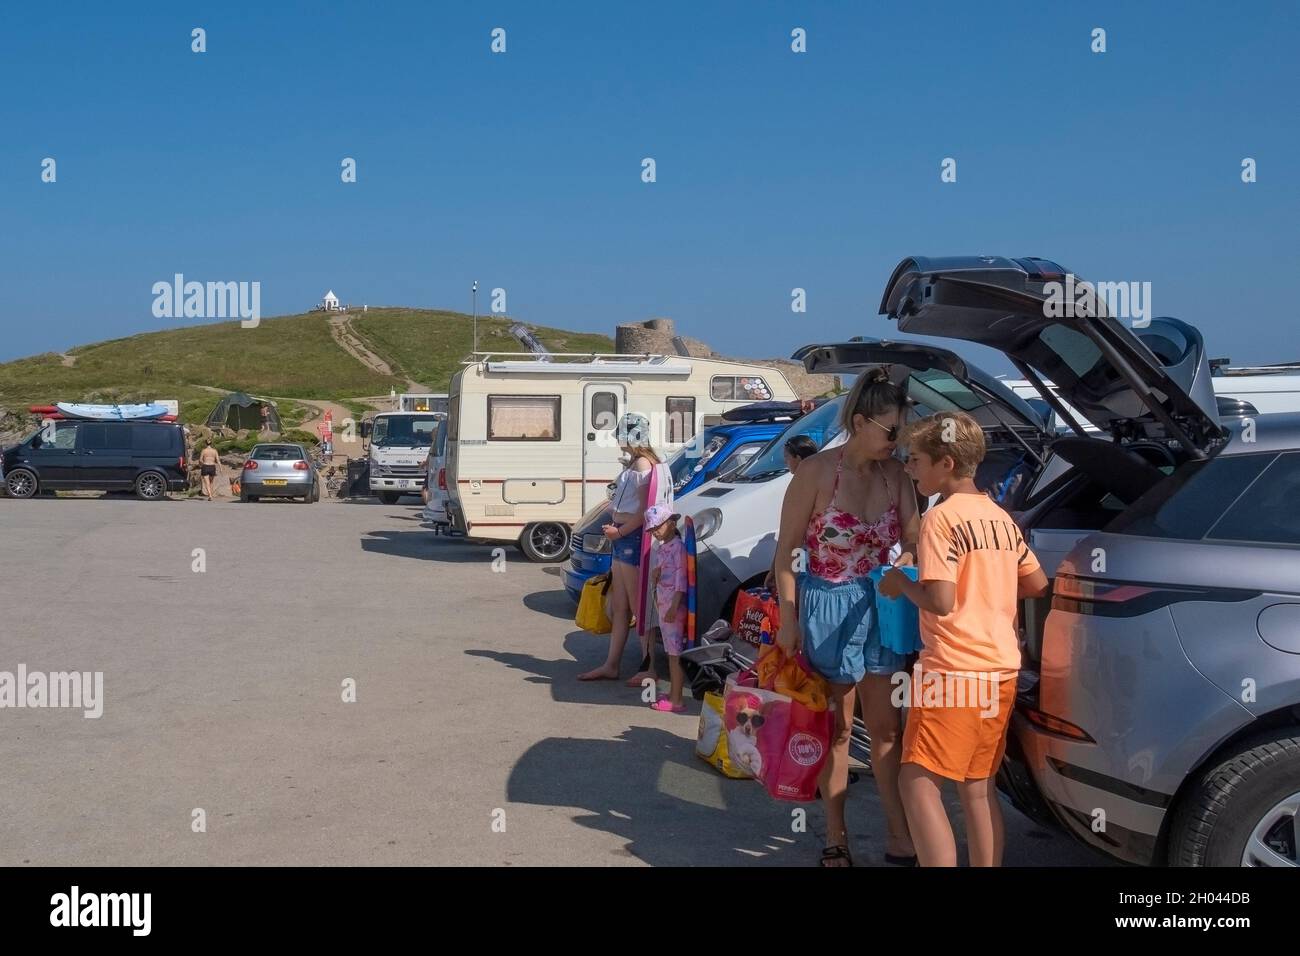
x=744 y=717
x=891 y=431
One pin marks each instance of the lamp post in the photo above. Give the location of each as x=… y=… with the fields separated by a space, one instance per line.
x=474 y=293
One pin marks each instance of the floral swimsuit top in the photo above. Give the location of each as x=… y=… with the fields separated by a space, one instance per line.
x=841 y=546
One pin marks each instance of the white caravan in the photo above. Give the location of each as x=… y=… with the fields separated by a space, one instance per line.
x=531 y=444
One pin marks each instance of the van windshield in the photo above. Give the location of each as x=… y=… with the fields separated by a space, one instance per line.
x=406 y=431
x=694 y=456
x=821 y=425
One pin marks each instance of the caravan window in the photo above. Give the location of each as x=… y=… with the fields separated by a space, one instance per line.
x=681 y=420
x=739 y=388
x=604 y=411
x=523 y=418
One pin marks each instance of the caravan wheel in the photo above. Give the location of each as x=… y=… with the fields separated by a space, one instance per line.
x=545 y=541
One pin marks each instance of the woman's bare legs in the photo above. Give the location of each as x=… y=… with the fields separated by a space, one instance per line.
x=620 y=615
x=834 y=780
x=884 y=724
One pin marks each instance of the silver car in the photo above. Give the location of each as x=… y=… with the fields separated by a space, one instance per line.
x=1158 y=714
x=279 y=471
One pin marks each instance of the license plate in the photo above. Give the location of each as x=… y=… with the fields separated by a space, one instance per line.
x=275 y=481
x=405 y=483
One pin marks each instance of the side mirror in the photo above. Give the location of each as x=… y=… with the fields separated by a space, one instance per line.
x=366 y=428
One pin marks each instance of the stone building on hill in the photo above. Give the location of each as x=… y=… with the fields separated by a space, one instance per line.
x=659 y=336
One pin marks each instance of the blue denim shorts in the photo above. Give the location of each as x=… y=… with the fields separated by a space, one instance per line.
x=841 y=636
x=627 y=549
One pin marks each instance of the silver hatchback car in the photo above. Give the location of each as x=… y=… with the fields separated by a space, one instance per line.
x=1158 y=713
x=279 y=471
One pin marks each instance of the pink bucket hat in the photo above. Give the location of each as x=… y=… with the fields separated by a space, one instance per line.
x=656 y=515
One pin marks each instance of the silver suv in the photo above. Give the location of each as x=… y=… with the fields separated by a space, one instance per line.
x=1158 y=718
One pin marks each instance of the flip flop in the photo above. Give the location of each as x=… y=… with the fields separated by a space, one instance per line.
x=666 y=705
x=837 y=852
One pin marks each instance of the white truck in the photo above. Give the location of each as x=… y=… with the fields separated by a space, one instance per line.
x=398 y=449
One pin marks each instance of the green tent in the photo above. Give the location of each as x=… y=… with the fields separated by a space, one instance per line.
x=238 y=411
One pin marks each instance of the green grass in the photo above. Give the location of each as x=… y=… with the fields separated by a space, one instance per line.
x=288 y=357
x=428 y=346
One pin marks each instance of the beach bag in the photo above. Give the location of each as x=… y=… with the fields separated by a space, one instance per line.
x=711 y=738
x=591 y=614
x=781 y=741
x=757 y=617
x=793 y=677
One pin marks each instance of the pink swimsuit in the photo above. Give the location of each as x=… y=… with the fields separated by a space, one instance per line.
x=841 y=546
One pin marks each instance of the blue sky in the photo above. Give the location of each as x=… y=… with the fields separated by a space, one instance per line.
x=522 y=170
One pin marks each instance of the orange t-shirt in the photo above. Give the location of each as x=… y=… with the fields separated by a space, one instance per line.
x=969 y=540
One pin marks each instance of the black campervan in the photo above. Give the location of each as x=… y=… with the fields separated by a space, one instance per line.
x=147 y=458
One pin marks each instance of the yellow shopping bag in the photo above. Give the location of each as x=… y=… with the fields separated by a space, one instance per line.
x=591 y=614
x=711 y=738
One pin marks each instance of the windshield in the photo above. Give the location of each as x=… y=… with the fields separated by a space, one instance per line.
x=694 y=456
x=414 y=431
x=821 y=425
x=277 y=453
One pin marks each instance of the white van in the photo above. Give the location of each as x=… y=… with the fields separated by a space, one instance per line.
x=736 y=519
x=531 y=444
x=1265 y=389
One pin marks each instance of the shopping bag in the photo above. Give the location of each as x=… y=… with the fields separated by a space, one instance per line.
x=778 y=739
x=591 y=614
x=711 y=738
x=757 y=616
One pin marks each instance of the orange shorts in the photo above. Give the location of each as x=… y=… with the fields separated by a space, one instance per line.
x=956 y=737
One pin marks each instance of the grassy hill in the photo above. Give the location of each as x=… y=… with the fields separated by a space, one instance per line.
x=428 y=346
x=291 y=356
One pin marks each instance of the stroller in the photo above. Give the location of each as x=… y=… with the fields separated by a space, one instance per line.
x=721 y=653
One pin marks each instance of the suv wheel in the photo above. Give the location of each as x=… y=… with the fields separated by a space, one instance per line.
x=545 y=541
x=389 y=497
x=151 y=486
x=1245 y=809
x=20 y=483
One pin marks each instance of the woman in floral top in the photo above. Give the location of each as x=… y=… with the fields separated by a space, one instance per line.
x=845 y=509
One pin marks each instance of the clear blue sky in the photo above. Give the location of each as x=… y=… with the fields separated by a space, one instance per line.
x=522 y=170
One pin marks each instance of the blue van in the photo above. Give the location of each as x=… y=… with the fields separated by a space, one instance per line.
x=718 y=450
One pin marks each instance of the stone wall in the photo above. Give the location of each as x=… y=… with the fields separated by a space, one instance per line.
x=656 y=336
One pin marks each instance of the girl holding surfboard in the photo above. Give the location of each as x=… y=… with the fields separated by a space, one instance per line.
x=644 y=482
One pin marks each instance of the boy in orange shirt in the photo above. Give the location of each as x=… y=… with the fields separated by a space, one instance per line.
x=974 y=565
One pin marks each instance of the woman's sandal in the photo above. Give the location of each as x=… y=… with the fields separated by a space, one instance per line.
x=895 y=859
x=837 y=852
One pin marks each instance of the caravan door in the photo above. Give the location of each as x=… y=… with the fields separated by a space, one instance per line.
x=603 y=404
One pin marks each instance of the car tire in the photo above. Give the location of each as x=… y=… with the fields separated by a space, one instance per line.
x=545 y=542
x=21 y=483
x=252 y=498
x=389 y=497
x=151 y=486
x=1244 y=810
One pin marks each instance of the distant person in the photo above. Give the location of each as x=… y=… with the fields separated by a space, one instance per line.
x=266 y=418
x=208 y=460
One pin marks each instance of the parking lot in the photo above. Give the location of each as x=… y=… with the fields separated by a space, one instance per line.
x=226 y=634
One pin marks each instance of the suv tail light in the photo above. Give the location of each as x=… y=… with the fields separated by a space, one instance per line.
x=442 y=479
x=300 y=466
x=181 y=462
x=1085 y=595
x=250 y=465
